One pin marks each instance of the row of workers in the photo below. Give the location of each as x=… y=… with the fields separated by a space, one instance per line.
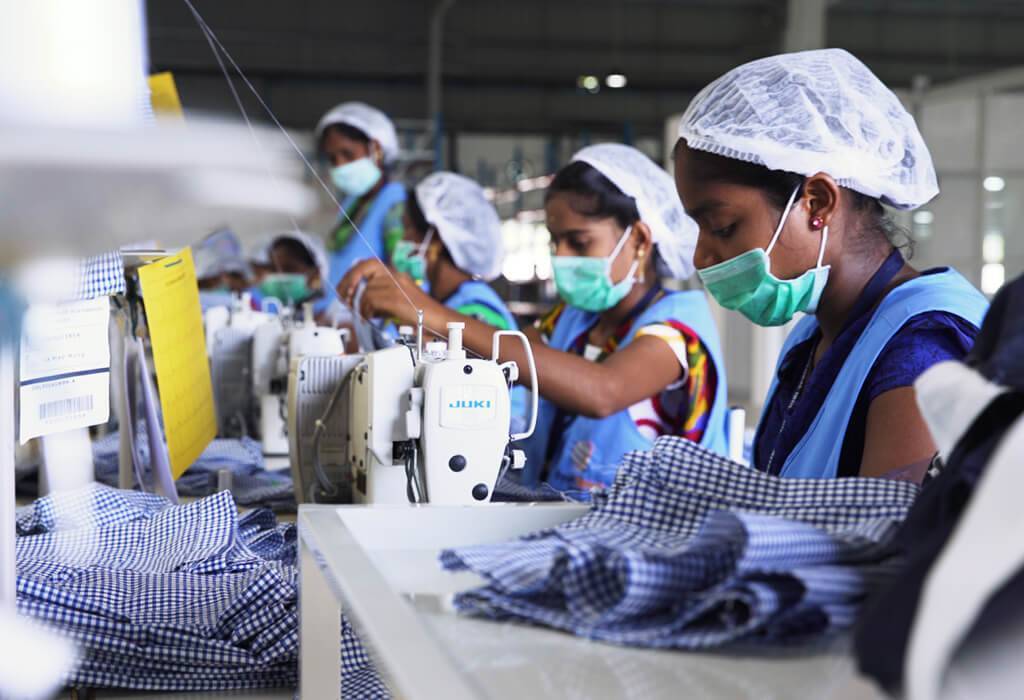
x=783 y=169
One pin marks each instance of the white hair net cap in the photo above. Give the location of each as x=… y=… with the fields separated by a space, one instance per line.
x=316 y=250
x=219 y=253
x=815 y=111
x=370 y=120
x=657 y=201
x=467 y=223
x=259 y=253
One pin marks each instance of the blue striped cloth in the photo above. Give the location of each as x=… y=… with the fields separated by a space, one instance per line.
x=689 y=550
x=160 y=597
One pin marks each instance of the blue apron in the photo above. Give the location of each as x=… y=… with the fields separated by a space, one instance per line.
x=371 y=225
x=816 y=455
x=478 y=292
x=601 y=442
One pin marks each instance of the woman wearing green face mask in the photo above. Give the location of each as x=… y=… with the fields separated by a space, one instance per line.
x=786 y=163
x=360 y=145
x=300 y=268
x=621 y=360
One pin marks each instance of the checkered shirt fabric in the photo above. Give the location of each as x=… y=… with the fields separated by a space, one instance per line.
x=252 y=484
x=689 y=550
x=101 y=276
x=161 y=597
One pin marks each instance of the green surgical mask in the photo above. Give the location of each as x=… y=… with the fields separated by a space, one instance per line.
x=289 y=287
x=411 y=259
x=746 y=284
x=586 y=283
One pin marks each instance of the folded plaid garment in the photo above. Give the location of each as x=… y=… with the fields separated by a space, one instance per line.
x=162 y=597
x=689 y=550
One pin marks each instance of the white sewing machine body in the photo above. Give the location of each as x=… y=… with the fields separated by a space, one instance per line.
x=421 y=427
x=275 y=344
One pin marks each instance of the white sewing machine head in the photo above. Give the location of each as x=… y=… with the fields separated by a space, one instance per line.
x=420 y=427
x=275 y=344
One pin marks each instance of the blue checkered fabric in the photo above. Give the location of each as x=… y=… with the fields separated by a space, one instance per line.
x=359 y=677
x=101 y=276
x=689 y=550
x=252 y=484
x=161 y=597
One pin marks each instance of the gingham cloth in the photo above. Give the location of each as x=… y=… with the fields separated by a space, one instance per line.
x=359 y=677
x=100 y=276
x=252 y=484
x=689 y=550
x=160 y=597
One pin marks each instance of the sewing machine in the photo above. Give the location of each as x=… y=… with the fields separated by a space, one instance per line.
x=274 y=345
x=405 y=424
x=229 y=340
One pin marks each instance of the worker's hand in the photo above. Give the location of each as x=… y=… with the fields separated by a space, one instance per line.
x=386 y=295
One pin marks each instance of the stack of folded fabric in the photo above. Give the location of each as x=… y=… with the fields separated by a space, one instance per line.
x=252 y=483
x=162 y=597
x=689 y=550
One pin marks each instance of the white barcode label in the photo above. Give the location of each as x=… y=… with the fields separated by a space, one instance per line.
x=64 y=404
x=65 y=407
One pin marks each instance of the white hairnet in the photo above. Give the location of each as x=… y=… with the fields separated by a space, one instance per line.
x=370 y=120
x=467 y=223
x=815 y=111
x=219 y=253
x=316 y=250
x=259 y=253
x=675 y=233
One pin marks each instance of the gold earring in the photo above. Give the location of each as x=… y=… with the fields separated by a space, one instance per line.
x=640 y=259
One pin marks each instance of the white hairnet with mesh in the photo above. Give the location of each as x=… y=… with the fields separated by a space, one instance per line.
x=370 y=120
x=259 y=253
x=316 y=250
x=467 y=223
x=675 y=233
x=815 y=111
x=219 y=253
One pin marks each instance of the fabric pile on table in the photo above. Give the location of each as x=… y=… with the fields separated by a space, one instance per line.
x=689 y=550
x=252 y=484
x=160 y=597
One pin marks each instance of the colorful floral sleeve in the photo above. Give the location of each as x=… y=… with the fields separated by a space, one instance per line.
x=546 y=323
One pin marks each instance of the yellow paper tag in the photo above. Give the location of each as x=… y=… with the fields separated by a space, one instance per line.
x=163 y=95
x=175 y=321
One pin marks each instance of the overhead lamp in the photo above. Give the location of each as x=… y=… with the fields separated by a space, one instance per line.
x=993 y=183
x=615 y=81
x=590 y=83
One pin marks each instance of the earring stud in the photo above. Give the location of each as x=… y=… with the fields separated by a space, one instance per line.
x=817 y=222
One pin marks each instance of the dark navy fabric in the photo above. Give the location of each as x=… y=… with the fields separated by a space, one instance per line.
x=690 y=550
x=925 y=340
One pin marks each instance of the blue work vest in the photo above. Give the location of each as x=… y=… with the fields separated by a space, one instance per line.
x=816 y=455
x=606 y=440
x=371 y=225
x=479 y=292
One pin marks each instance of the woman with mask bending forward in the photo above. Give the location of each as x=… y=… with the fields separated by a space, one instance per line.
x=785 y=163
x=621 y=360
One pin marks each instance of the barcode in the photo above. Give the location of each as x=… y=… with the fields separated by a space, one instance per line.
x=64 y=407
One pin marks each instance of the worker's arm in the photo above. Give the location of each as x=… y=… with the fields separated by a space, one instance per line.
x=896 y=438
x=578 y=386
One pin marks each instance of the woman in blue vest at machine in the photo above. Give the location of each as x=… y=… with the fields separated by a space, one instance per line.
x=360 y=144
x=786 y=163
x=621 y=360
x=452 y=247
